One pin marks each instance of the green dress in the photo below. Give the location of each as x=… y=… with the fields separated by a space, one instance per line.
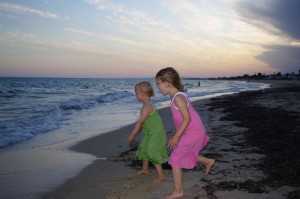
x=153 y=145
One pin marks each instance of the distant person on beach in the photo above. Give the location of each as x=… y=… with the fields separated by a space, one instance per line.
x=190 y=136
x=153 y=144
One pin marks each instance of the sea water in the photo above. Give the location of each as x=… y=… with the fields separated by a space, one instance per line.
x=41 y=117
x=33 y=106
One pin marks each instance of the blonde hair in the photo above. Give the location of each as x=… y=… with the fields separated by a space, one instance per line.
x=170 y=75
x=146 y=87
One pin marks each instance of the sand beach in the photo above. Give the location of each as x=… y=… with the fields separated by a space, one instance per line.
x=254 y=137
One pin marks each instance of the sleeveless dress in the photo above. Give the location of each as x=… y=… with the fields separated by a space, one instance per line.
x=193 y=139
x=153 y=145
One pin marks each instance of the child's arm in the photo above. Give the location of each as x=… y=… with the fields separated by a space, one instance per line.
x=181 y=104
x=147 y=109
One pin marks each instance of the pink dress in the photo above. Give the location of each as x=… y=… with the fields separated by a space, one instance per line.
x=191 y=141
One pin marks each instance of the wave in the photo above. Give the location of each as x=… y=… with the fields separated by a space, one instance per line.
x=111 y=97
x=43 y=119
x=79 y=104
x=11 y=93
x=25 y=128
x=76 y=105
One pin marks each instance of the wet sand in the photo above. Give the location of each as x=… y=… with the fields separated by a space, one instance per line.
x=255 y=138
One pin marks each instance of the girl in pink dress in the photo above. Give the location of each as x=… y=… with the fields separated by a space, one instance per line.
x=190 y=136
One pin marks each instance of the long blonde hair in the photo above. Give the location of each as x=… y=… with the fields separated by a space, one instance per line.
x=170 y=75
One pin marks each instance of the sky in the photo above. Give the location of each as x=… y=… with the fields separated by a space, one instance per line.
x=136 y=38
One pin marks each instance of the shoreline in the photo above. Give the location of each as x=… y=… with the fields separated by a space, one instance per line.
x=111 y=178
x=107 y=147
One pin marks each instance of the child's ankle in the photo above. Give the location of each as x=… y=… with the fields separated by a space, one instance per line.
x=159 y=178
x=143 y=172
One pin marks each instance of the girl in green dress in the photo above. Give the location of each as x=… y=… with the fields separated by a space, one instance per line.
x=153 y=145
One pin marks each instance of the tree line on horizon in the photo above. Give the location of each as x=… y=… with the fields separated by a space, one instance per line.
x=278 y=75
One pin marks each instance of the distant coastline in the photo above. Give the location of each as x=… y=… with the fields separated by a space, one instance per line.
x=260 y=76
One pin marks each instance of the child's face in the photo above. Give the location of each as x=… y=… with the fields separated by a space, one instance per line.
x=162 y=86
x=138 y=93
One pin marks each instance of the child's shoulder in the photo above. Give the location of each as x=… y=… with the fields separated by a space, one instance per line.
x=180 y=99
x=180 y=96
x=149 y=107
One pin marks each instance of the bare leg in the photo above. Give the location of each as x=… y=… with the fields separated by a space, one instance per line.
x=207 y=162
x=178 y=185
x=160 y=173
x=145 y=168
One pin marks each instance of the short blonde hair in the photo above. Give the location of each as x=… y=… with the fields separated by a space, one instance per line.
x=146 y=87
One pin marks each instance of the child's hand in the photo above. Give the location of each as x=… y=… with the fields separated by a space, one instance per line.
x=173 y=142
x=130 y=139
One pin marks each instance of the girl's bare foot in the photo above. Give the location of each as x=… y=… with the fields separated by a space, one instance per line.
x=143 y=172
x=209 y=165
x=159 y=179
x=175 y=195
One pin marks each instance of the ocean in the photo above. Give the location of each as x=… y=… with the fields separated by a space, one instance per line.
x=40 y=118
x=34 y=106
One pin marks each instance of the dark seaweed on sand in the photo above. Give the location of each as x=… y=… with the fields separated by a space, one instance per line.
x=275 y=131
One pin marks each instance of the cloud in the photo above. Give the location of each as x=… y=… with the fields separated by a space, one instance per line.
x=125 y=15
x=104 y=37
x=24 y=9
x=106 y=5
x=284 y=58
x=80 y=32
x=279 y=16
